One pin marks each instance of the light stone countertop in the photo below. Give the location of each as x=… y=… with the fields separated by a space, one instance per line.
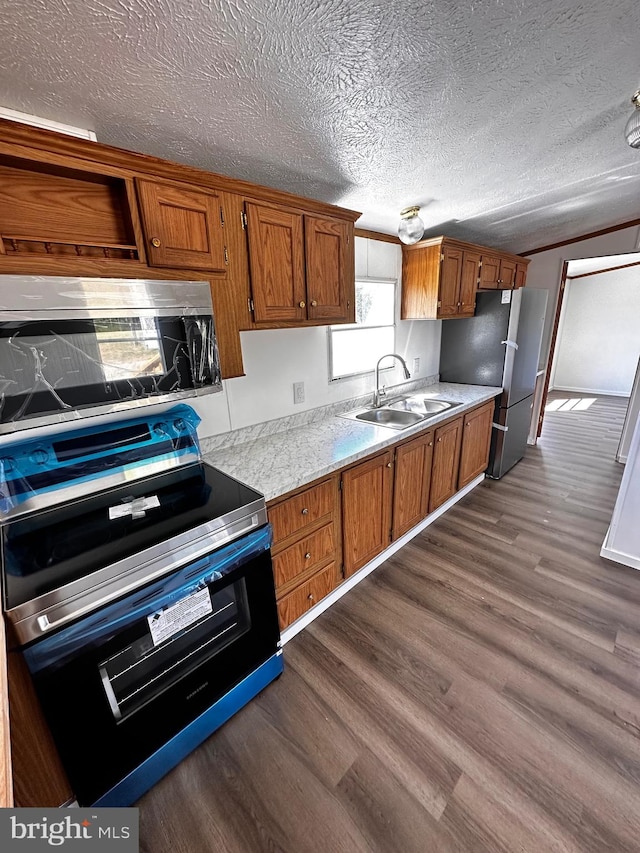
x=279 y=463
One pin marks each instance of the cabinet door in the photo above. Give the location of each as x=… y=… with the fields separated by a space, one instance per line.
x=330 y=274
x=366 y=510
x=411 y=483
x=446 y=459
x=476 y=440
x=469 y=282
x=450 y=274
x=490 y=272
x=507 y=273
x=182 y=227
x=521 y=275
x=276 y=261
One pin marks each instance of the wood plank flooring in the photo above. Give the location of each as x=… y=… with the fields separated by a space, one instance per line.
x=479 y=692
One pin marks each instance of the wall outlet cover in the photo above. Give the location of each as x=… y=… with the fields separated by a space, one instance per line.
x=298 y=392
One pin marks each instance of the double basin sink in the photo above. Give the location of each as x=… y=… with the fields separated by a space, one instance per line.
x=402 y=413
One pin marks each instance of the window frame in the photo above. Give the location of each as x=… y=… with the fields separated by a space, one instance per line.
x=344 y=327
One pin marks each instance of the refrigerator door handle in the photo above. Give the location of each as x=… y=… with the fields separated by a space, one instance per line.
x=510 y=344
x=500 y=427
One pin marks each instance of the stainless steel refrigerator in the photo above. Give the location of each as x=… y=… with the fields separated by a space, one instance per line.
x=500 y=345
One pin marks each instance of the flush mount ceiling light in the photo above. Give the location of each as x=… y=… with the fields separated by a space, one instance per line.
x=411 y=227
x=632 y=130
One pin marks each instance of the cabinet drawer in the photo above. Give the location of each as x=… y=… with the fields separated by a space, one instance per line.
x=296 y=603
x=304 y=555
x=301 y=510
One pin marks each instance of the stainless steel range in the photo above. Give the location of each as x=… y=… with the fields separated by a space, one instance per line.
x=138 y=580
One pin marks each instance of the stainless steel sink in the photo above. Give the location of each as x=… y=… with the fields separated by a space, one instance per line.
x=402 y=413
x=389 y=417
x=422 y=405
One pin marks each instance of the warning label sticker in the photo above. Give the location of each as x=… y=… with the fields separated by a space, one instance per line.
x=166 y=623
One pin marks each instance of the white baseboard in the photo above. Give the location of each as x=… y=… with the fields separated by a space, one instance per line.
x=602 y=392
x=631 y=560
x=290 y=632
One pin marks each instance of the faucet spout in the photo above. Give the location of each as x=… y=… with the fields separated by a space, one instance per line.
x=380 y=392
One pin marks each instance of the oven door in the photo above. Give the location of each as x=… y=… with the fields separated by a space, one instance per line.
x=117 y=685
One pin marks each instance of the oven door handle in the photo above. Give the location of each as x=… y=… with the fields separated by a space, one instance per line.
x=114 y=617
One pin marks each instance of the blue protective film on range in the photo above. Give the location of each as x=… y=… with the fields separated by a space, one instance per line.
x=41 y=465
x=146 y=601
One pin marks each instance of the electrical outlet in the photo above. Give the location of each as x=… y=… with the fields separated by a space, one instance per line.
x=298 y=392
x=416 y=366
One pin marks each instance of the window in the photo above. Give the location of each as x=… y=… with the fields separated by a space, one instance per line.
x=355 y=348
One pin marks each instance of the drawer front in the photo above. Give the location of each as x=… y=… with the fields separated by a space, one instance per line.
x=308 y=594
x=304 y=555
x=301 y=510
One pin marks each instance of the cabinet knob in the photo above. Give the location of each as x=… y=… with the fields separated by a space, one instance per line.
x=155 y=241
x=307 y=556
x=313 y=303
x=389 y=464
x=310 y=596
x=440 y=439
x=305 y=511
x=302 y=304
x=430 y=444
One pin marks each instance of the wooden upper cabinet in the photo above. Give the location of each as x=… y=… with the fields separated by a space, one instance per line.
x=446 y=460
x=301 y=267
x=441 y=276
x=411 y=483
x=502 y=273
x=490 y=272
x=276 y=261
x=521 y=275
x=469 y=282
x=476 y=441
x=366 y=510
x=330 y=269
x=182 y=226
x=439 y=280
x=450 y=274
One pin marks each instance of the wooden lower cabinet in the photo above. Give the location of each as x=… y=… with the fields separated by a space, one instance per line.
x=412 y=479
x=330 y=530
x=306 y=595
x=366 y=510
x=476 y=441
x=446 y=460
x=306 y=547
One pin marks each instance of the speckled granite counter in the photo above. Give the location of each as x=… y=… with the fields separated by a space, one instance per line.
x=277 y=464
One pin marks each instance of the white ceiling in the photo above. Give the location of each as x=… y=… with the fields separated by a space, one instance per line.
x=503 y=118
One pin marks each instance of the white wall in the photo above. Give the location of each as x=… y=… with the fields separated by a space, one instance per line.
x=599 y=334
x=545 y=268
x=275 y=359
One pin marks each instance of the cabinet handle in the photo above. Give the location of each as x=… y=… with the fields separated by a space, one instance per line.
x=307 y=556
x=310 y=596
x=155 y=241
x=302 y=304
x=305 y=511
x=313 y=303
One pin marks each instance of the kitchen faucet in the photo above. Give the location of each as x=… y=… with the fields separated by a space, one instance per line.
x=380 y=392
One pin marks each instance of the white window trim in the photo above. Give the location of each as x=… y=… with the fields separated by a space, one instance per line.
x=351 y=326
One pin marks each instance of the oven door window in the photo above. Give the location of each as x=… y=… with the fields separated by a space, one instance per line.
x=171 y=643
x=52 y=366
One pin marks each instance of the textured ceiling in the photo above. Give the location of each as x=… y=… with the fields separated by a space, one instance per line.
x=503 y=118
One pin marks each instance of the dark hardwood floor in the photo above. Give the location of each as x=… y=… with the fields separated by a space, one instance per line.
x=479 y=692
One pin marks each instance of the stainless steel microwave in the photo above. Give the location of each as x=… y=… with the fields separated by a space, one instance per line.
x=74 y=347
